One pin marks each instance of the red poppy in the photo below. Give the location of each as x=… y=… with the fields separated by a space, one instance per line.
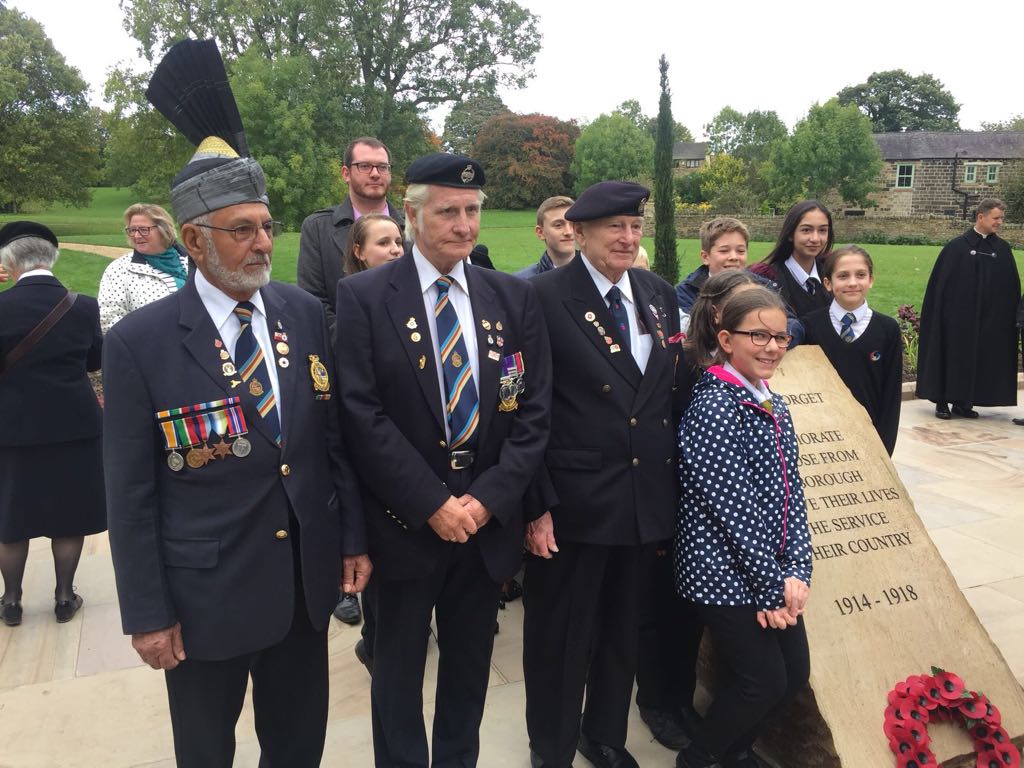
x=921 y=758
x=950 y=686
x=972 y=707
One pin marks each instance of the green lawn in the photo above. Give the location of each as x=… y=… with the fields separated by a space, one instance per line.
x=901 y=271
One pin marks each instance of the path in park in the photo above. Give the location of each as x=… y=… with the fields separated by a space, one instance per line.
x=76 y=694
x=103 y=250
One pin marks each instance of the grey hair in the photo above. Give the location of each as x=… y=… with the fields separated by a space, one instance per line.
x=27 y=253
x=416 y=195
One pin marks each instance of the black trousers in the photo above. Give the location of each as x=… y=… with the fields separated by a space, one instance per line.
x=289 y=697
x=670 y=633
x=762 y=669
x=579 y=634
x=465 y=601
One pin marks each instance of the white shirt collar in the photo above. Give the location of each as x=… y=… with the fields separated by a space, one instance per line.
x=35 y=273
x=798 y=272
x=218 y=304
x=838 y=312
x=760 y=393
x=604 y=284
x=428 y=273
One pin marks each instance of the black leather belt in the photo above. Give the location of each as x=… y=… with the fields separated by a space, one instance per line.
x=461 y=459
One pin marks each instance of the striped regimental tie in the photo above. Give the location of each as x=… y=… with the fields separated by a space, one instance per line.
x=460 y=391
x=253 y=369
x=846 y=327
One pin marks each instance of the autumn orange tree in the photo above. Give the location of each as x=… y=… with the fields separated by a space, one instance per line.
x=526 y=157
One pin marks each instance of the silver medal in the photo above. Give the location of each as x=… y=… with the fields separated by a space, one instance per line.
x=241 y=447
x=175 y=462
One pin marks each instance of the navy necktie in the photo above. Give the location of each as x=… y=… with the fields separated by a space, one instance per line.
x=812 y=285
x=846 y=327
x=252 y=367
x=460 y=391
x=614 y=297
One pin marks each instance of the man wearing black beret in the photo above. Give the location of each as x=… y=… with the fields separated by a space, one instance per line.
x=445 y=390
x=609 y=479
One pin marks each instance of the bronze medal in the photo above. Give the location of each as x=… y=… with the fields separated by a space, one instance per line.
x=194 y=459
x=241 y=447
x=175 y=462
x=221 y=449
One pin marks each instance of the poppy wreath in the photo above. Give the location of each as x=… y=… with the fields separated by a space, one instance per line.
x=942 y=696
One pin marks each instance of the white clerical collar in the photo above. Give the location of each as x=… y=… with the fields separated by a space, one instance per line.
x=429 y=274
x=604 y=284
x=218 y=304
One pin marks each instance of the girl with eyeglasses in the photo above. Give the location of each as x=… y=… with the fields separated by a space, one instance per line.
x=156 y=267
x=742 y=546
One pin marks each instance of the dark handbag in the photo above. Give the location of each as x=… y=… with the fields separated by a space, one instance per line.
x=36 y=335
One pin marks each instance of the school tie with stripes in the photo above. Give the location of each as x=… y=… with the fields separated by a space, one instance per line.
x=614 y=297
x=846 y=327
x=252 y=367
x=460 y=391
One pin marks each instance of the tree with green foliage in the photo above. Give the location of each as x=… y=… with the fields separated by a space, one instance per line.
x=527 y=158
x=896 y=101
x=749 y=137
x=612 y=147
x=631 y=108
x=463 y=124
x=1015 y=123
x=48 y=136
x=724 y=184
x=831 y=149
x=666 y=262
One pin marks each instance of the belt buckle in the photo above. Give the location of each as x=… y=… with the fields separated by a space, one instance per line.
x=461 y=459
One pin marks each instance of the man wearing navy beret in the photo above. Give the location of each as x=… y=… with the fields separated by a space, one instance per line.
x=444 y=371
x=609 y=479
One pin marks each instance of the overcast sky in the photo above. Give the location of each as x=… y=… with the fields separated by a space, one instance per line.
x=749 y=54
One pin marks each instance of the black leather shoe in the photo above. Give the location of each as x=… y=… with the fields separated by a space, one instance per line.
x=511 y=590
x=1019 y=422
x=65 y=610
x=536 y=761
x=364 y=656
x=604 y=756
x=964 y=412
x=942 y=412
x=666 y=727
x=348 y=610
x=11 y=613
x=691 y=720
x=692 y=756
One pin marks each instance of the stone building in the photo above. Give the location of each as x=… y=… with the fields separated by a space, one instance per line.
x=935 y=173
x=688 y=157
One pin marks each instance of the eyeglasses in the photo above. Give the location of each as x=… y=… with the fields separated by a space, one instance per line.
x=247 y=232
x=132 y=231
x=760 y=338
x=382 y=168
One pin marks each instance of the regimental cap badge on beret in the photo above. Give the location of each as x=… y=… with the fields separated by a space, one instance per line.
x=446 y=170
x=609 y=198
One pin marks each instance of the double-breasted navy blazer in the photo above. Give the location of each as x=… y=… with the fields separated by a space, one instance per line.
x=392 y=413
x=207 y=546
x=611 y=457
x=46 y=397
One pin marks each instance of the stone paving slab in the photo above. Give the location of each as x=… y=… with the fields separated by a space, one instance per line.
x=75 y=695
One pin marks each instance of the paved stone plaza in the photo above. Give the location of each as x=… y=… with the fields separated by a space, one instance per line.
x=76 y=695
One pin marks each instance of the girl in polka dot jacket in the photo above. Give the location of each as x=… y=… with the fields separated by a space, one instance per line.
x=742 y=546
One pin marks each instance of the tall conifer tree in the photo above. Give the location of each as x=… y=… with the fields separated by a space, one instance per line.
x=666 y=263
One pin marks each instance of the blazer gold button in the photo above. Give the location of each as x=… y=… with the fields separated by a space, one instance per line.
x=606 y=388
x=636 y=462
x=285 y=470
x=282 y=534
x=632 y=422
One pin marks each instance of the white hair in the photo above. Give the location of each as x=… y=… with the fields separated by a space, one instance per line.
x=416 y=195
x=25 y=253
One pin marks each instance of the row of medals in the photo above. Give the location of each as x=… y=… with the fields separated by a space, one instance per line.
x=416 y=337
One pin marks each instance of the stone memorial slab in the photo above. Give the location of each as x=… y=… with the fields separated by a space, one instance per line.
x=884 y=605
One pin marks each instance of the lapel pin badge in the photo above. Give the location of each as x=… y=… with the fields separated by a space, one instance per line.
x=423 y=362
x=411 y=324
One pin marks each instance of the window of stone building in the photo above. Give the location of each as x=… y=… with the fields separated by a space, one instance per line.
x=970 y=174
x=904 y=176
x=992 y=174
x=693 y=163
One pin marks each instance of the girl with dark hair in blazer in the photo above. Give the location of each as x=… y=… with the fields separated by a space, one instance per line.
x=51 y=464
x=795 y=261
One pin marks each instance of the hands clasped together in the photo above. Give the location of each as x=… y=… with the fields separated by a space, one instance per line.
x=459 y=518
x=796 y=593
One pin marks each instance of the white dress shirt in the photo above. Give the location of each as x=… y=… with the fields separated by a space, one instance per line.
x=221 y=309
x=36 y=273
x=799 y=275
x=760 y=393
x=861 y=317
x=458 y=297
x=639 y=343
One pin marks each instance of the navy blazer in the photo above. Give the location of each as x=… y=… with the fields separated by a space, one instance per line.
x=392 y=409
x=207 y=546
x=611 y=458
x=46 y=397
